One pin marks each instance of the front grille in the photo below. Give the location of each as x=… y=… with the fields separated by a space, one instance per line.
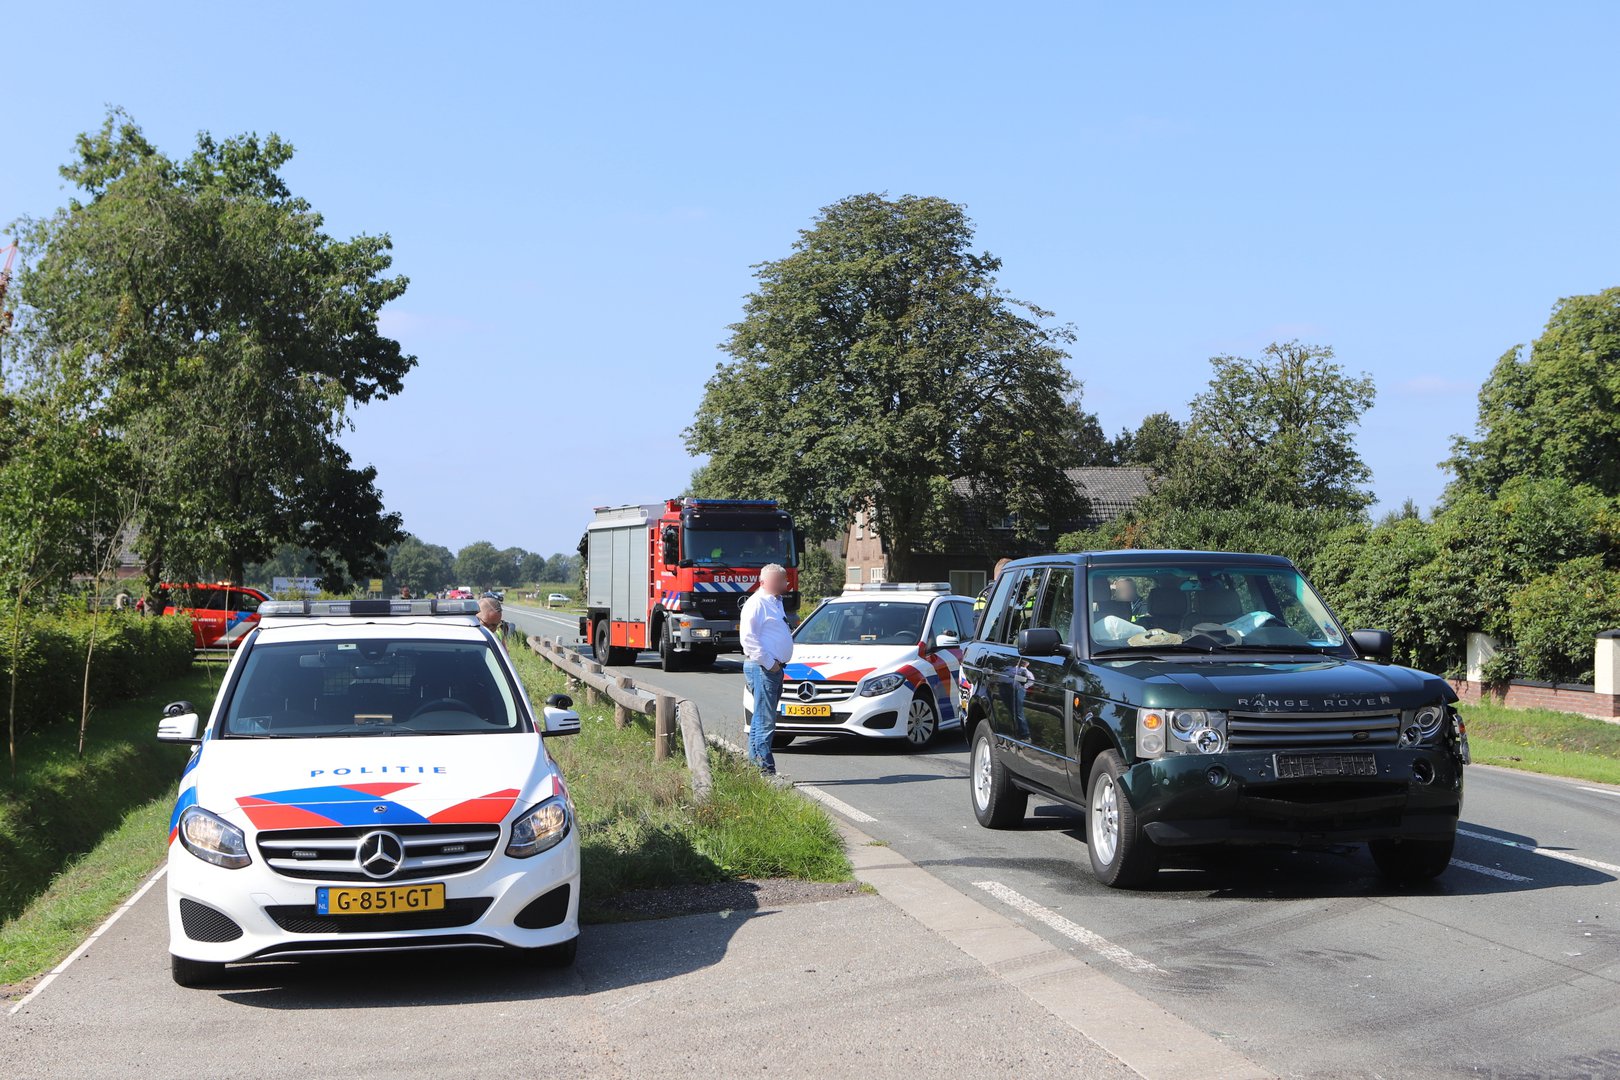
x=302 y=919
x=826 y=693
x=1311 y=731
x=203 y=923
x=329 y=854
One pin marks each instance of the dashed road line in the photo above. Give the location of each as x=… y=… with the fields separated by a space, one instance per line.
x=1071 y=930
x=84 y=946
x=837 y=806
x=1490 y=870
x=1599 y=791
x=1562 y=856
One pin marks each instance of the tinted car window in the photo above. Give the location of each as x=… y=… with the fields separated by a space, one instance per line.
x=244 y=601
x=966 y=617
x=995 y=615
x=1057 y=603
x=944 y=622
x=370 y=688
x=205 y=599
x=1021 y=608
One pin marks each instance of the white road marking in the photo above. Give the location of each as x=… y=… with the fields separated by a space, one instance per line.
x=1491 y=870
x=1071 y=930
x=1599 y=791
x=837 y=806
x=1563 y=856
x=89 y=941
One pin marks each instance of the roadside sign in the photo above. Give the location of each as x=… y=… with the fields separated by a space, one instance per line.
x=376 y=584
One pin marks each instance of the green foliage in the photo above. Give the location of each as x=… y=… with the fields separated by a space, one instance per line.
x=1154 y=443
x=1366 y=575
x=820 y=574
x=1554 y=618
x=1543 y=741
x=225 y=337
x=877 y=363
x=1268 y=528
x=421 y=568
x=60 y=804
x=1557 y=414
x=132 y=655
x=1278 y=430
x=480 y=564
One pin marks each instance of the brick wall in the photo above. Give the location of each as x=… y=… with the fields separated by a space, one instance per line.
x=1528 y=695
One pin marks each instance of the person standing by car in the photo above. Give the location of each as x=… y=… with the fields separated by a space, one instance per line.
x=767 y=646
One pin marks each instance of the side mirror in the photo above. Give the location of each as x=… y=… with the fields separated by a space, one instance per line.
x=179 y=724
x=1376 y=645
x=561 y=721
x=670 y=540
x=947 y=640
x=1040 y=641
x=560 y=701
x=798 y=547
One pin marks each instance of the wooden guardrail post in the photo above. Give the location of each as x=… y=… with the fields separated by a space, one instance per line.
x=621 y=711
x=697 y=749
x=663 y=727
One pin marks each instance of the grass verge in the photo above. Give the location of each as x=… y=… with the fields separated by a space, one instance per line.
x=640 y=827
x=1544 y=741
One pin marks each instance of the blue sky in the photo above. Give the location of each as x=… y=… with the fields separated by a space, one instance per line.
x=577 y=193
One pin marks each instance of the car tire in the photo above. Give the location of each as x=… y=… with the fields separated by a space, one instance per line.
x=998 y=803
x=1122 y=856
x=1412 y=860
x=922 y=721
x=779 y=741
x=551 y=957
x=668 y=658
x=195 y=974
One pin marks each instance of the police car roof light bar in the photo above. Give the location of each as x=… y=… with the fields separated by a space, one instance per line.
x=325 y=609
x=899 y=586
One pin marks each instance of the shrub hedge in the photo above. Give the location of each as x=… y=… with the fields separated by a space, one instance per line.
x=132 y=655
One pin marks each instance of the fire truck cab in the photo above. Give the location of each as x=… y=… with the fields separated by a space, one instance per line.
x=673 y=576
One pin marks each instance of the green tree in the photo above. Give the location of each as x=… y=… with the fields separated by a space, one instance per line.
x=480 y=563
x=877 y=363
x=1153 y=444
x=1278 y=430
x=420 y=567
x=228 y=338
x=1557 y=413
x=1554 y=618
x=821 y=573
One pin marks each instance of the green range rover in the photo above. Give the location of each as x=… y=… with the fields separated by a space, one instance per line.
x=1191 y=698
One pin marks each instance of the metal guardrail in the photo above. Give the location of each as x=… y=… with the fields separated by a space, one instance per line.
x=667 y=710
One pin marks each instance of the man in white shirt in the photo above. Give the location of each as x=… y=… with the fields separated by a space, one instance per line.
x=767 y=646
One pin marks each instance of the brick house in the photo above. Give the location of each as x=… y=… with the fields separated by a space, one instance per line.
x=970 y=555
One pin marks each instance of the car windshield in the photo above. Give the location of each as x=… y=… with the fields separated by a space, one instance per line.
x=303 y=690
x=864 y=622
x=1208 y=608
x=740 y=547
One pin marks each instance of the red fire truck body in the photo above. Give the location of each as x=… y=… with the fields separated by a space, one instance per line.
x=674 y=576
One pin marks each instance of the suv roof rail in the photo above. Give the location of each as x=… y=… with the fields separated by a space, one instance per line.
x=899 y=586
x=326 y=609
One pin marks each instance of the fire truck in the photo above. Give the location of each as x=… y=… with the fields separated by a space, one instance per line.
x=673 y=576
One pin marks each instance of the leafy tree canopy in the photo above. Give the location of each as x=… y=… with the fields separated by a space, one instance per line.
x=227 y=336
x=877 y=363
x=1555 y=414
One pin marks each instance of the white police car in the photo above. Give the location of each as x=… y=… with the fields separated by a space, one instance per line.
x=878 y=662
x=371 y=778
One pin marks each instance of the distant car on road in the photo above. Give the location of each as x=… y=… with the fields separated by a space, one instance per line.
x=558 y=598
x=296 y=832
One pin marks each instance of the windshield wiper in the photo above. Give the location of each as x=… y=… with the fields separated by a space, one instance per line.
x=1149 y=650
x=1307 y=647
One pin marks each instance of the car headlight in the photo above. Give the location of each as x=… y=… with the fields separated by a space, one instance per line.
x=213 y=839
x=1422 y=725
x=540 y=828
x=881 y=684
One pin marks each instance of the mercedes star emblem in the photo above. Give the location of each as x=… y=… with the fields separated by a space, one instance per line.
x=807 y=691
x=380 y=854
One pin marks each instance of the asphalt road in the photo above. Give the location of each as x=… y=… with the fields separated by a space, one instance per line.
x=1306 y=962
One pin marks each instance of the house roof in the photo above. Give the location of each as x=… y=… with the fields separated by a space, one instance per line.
x=1110 y=490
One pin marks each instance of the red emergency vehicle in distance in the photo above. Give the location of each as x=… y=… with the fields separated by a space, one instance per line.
x=674 y=576
x=221 y=613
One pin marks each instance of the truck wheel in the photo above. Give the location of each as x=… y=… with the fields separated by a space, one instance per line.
x=667 y=656
x=1122 y=857
x=997 y=802
x=1412 y=860
x=606 y=654
x=195 y=973
x=922 y=721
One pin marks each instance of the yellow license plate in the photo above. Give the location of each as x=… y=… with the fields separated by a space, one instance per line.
x=379 y=900
x=806 y=710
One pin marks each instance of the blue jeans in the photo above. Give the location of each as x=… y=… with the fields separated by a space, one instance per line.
x=766 y=686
